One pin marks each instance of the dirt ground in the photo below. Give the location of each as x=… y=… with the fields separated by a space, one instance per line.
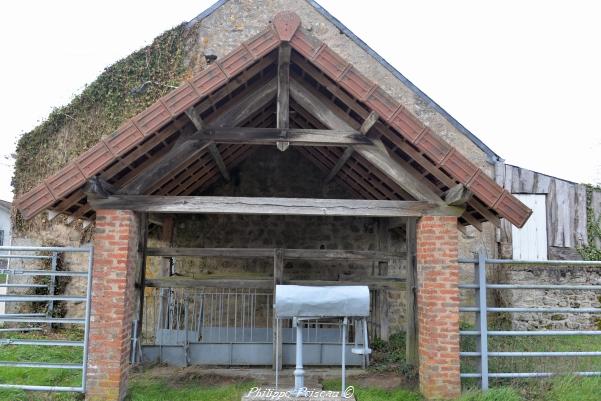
x=211 y=376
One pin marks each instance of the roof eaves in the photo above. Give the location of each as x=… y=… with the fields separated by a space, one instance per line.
x=494 y=157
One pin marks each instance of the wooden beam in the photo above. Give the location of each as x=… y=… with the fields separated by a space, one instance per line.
x=377 y=157
x=458 y=195
x=283 y=95
x=200 y=126
x=190 y=146
x=278 y=277
x=275 y=206
x=289 y=254
x=348 y=152
x=369 y=122
x=270 y=136
x=411 y=345
x=263 y=283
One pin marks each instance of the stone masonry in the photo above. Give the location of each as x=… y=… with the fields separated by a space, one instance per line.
x=115 y=258
x=438 y=307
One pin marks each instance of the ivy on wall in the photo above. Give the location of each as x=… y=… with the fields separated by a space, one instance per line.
x=120 y=91
x=593 y=227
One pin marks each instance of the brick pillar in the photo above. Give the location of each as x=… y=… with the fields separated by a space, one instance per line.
x=438 y=307
x=115 y=257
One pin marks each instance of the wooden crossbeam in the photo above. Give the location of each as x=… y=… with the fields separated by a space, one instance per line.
x=297 y=136
x=274 y=206
x=348 y=152
x=283 y=95
x=200 y=126
x=377 y=157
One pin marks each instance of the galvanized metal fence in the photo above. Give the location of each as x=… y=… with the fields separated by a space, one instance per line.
x=28 y=260
x=482 y=309
x=227 y=326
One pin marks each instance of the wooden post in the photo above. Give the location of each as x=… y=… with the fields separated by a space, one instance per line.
x=411 y=344
x=278 y=275
x=143 y=229
x=283 y=95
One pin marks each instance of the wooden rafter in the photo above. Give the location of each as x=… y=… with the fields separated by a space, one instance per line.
x=312 y=102
x=199 y=124
x=348 y=152
x=190 y=146
x=384 y=131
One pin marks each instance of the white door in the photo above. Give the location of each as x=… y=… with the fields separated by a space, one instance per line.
x=530 y=241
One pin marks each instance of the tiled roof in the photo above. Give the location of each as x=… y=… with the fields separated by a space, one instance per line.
x=161 y=120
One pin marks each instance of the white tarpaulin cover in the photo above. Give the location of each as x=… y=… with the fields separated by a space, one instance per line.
x=330 y=301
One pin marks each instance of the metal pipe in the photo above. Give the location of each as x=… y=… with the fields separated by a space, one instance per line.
x=533 y=333
x=42 y=388
x=534 y=287
x=39 y=298
x=568 y=263
x=43 y=320
x=51 y=343
x=526 y=375
x=42 y=273
x=534 y=310
x=299 y=372
x=343 y=386
x=86 y=327
x=23 y=285
x=44 y=365
x=20 y=329
x=24 y=257
x=533 y=354
x=483 y=318
x=44 y=249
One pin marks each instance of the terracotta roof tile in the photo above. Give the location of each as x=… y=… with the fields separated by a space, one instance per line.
x=65 y=181
x=95 y=159
x=263 y=43
x=179 y=100
x=236 y=61
x=285 y=28
x=122 y=140
x=153 y=118
x=208 y=80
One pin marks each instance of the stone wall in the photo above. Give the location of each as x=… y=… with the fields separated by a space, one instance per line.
x=552 y=298
x=289 y=174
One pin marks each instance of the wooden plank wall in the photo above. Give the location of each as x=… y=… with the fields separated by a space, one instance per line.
x=566 y=209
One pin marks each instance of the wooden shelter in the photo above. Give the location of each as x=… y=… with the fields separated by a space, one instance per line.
x=287 y=89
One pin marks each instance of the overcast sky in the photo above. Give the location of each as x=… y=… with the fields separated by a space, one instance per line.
x=523 y=76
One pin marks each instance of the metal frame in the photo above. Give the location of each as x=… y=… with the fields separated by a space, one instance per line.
x=482 y=309
x=46 y=318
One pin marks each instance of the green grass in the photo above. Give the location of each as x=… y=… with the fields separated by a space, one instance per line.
x=38 y=376
x=563 y=365
x=145 y=389
x=374 y=394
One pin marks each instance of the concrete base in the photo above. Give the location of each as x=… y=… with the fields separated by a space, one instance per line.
x=313 y=394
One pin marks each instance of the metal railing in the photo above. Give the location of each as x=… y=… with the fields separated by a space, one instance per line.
x=483 y=353
x=35 y=255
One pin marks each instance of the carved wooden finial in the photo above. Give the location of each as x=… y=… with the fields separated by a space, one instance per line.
x=286 y=23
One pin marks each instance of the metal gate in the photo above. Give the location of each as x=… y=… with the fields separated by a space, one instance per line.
x=230 y=326
x=482 y=310
x=24 y=266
